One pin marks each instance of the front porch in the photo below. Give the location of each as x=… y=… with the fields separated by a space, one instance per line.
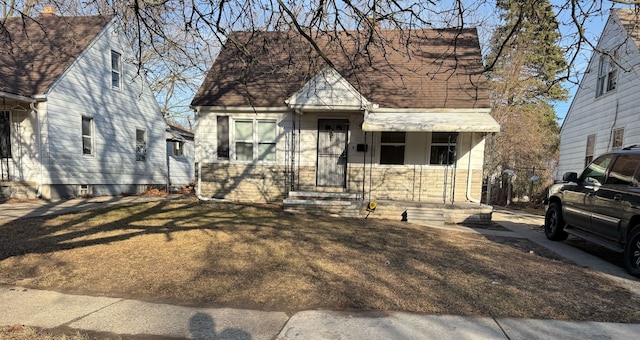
x=353 y=205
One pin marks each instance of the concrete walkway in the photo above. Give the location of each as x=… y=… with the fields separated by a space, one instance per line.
x=131 y=318
x=137 y=319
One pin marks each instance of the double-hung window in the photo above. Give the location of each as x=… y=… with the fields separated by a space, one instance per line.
x=443 y=148
x=141 y=145
x=116 y=70
x=87 y=136
x=606 y=75
x=255 y=140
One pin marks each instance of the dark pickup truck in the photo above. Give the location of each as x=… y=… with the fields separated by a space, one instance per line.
x=602 y=205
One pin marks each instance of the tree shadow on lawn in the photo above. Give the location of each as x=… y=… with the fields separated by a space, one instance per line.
x=262 y=258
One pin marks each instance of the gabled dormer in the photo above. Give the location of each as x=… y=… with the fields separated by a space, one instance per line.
x=327 y=90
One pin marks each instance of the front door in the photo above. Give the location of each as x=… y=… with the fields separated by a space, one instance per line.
x=332 y=153
x=5 y=145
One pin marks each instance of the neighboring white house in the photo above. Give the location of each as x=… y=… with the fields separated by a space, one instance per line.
x=401 y=116
x=76 y=116
x=180 y=158
x=605 y=112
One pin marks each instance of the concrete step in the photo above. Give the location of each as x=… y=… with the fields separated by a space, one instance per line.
x=318 y=195
x=322 y=207
x=425 y=215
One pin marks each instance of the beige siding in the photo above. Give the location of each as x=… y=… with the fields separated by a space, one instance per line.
x=242 y=182
x=415 y=181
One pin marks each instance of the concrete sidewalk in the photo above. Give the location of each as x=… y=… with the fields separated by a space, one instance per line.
x=130 y=318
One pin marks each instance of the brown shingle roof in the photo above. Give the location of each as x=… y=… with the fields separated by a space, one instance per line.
x=35 y=51
x=630 y=19
x=430 y=68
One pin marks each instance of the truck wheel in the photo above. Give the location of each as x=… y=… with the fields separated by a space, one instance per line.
x=632 y=252
x=554 y=223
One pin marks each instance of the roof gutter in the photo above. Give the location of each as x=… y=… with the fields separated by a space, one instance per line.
x=238 y=109
x=19 y=97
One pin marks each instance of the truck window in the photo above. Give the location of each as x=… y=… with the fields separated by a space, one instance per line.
x=594 y=173
x=623 y=169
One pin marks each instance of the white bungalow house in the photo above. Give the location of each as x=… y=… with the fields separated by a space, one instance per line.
x=399 y=118
x=76 y=117
x=605 y=112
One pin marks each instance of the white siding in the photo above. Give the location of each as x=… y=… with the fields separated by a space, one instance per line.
x=181 y=168
x=619 y=108
x=85 y=90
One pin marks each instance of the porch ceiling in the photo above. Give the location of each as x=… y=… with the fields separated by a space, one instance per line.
x=430 y=120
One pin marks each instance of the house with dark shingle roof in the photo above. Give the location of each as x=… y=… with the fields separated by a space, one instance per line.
x=393 y=116
x=76 y=117
x=605 y=111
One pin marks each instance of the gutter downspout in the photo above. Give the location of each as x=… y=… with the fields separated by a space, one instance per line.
x=39 y=134
x=469 y=171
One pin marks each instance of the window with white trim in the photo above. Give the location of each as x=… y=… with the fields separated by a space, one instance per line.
x=618 y=139
x=255 y=140
x=178 y=148
x=141 y=145
x=606 y=75
x=222 y=127
x=116 y=70
x=87 y=135
x=392 y=146
x=443 y=148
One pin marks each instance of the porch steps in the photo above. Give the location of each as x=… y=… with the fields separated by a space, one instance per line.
x=425 y=215
x=324 y=195
x=336 y=204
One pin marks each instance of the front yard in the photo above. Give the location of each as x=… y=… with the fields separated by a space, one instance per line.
x=222 y=255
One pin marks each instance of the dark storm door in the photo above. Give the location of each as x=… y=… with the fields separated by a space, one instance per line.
x=332 y=153
x=5 y=135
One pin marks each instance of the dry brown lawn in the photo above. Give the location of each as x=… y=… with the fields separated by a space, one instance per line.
x=214 y=254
